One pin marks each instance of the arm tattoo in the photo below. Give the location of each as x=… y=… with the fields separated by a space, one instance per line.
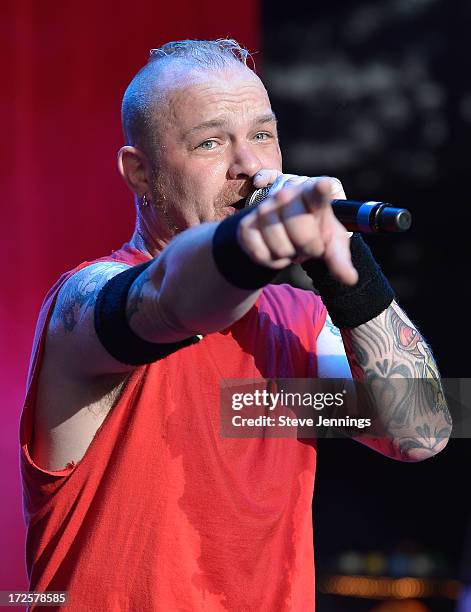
x=144 y=305
x=135 y=296
x=389 y=354
x=79 y=292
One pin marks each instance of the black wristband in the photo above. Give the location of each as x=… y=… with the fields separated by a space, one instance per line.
x=232 y=262
x=112 y=327
x=350 y=306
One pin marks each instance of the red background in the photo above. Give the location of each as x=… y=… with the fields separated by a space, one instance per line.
x=65 y=65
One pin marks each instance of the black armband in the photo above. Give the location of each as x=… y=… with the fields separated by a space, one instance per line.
x=351 y=306
x=232 y=262
x=112 y=327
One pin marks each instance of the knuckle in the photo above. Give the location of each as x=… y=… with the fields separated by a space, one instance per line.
x=336 y=185
x=255 y=249
x=333 y=179
x=246 y=222
x=277 y=184
x=256 y=254
x=242 y=238
x=286 y=194
x=266 y=211
x=281 y=251
x=313 y=248
x=303 y=247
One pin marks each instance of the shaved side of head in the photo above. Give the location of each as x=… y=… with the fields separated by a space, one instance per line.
x=169 y=67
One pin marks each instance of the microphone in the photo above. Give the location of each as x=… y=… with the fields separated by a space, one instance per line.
x=365 y=217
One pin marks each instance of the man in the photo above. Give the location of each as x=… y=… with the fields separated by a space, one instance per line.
x=133 y=499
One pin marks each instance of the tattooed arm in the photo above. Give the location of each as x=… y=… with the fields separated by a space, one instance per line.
x=180 y=294
x=183 y=292
x=71 y=343
x=412 y=411
x=393 y=360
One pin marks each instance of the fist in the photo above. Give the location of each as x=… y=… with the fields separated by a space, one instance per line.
x=296 y=222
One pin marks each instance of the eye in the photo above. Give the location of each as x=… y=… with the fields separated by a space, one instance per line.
x=262 y=136
x=207 y=145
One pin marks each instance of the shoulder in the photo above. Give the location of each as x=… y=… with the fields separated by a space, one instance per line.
x=79 y=291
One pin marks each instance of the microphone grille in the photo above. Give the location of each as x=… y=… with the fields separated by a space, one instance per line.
x=257 y=196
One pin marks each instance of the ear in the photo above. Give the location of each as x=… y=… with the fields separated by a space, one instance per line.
x=134 y=168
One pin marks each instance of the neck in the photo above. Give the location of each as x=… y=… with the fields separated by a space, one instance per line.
x=145 y=243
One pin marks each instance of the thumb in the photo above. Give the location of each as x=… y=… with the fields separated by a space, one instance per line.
x=265 y=177
x=339 y=260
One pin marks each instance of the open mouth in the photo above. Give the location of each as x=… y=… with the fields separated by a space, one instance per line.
x=240 y=204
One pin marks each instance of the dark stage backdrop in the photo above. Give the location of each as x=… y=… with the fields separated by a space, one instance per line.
x=378 y=93
x=64 y=68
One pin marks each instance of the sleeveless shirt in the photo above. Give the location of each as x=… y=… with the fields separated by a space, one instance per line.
x=163 y=513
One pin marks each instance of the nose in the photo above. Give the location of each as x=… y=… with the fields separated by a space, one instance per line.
x=244 y=163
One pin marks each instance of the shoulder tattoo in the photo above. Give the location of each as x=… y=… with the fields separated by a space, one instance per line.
x=79 y=292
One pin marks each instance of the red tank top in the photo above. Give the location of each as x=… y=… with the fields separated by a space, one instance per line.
x=164 y=514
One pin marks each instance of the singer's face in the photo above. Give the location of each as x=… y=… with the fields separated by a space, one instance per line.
x=215 y=131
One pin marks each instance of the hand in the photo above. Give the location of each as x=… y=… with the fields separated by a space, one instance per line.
x=275 y=179
x=295 y=223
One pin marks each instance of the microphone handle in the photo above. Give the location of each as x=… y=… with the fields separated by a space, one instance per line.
x=371 y=217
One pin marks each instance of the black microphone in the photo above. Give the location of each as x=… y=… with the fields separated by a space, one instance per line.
x=364 y=217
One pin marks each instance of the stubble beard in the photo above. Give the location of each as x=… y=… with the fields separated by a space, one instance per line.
x=161 y=199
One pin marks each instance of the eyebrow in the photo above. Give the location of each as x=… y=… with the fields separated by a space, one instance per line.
x=222 y=121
